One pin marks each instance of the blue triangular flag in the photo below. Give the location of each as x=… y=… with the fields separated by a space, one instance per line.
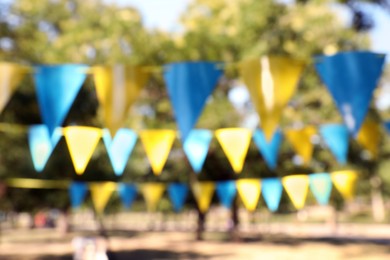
x=77 y=192
x=269 y=150
x=119 y=148
x=321 y=186
x=196 y=147
x=351 y=78
x=189 y=85
x=57 y=87
x=272 y=189
x=127 y=193
x=387 y=126
x=42 y=145
x=226 y=191
x=178 y=193
x=336 y=137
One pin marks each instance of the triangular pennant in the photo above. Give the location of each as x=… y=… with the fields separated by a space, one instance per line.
x=249 y=191
x=120 y=148
x=268 y=149
x=272 y=192
x=57 y=87
x=178 y=193
x=369 y=136
x=336 y=138
x=10 y=77
x=189 y=85
x=117 y=89
x=344 y=181
x=157 y=144
x=196 y=147
x=203 y=193
x=152 y=193
x=226 y=191
x=296 y=187
x=387 y=126
x=271 y=82
x=301 y=141
x=127 y=192
x=81 y=141
x=321 y=187
x=351 y=78
x=77 y=193
x=42 y=145
x=235 y=143
x=101 y=194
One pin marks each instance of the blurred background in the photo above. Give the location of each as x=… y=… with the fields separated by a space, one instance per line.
x=154 y=33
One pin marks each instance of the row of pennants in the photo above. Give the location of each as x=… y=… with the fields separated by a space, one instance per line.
x=351 y=78
x=249 y=190
x=235 y=142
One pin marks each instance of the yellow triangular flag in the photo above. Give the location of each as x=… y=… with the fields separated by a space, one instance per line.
x=203 y=192
x=10 y=76
x=344 y=181
x=152 y=193
x=271 y=82
x=249 y=190
x=117 y=89
x=81 y=141
x=235 y=143
x=101 y=194
x=369 y=136
x=157 y=144
x=301 y=141
x=296 y=187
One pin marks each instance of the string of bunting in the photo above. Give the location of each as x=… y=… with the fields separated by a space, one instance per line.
x=249 y=190
x=350 y=77
x=82 y=141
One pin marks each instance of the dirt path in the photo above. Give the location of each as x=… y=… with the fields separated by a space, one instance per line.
x=47 y=244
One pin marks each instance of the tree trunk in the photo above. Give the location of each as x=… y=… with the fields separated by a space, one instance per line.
x=201 y=224
x=234 y=235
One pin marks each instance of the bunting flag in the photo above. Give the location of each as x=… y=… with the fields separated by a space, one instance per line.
x=351 y=78
x=77 y=193
x=127 y=192
x=369 y=136
x=269 y=150
x=296 y=187
x=81 y=141
x=336 y=138
x=301 y=141
x=226 y=192
x=249 y=191
x=117 y=89
x=10 y=77
x=119 y=148
x=101 y=194
x=157 y=144
x=152 y=193
x=235 y=143
x=387 y=126
x=178 y=193
x=271 y=82
x=321 y=187
x=57 y=87
x=272 y=190
x=203 y=193
x=196 y=147
x=189 y=85
x=42 y=145
x=344 y=181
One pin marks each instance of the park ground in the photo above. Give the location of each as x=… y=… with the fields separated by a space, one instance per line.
x=276 y=241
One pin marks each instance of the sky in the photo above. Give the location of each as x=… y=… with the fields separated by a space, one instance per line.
x=164 y=14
